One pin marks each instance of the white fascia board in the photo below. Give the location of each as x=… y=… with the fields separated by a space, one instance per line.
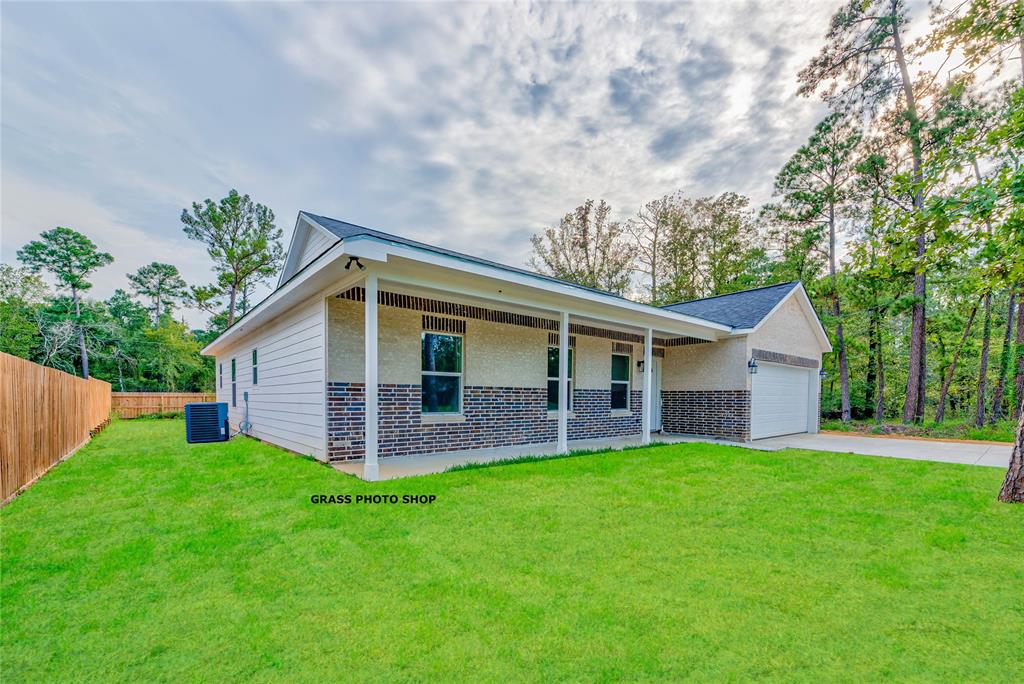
x=354 y=245
x=266 y=309
x=805 y=303
x=302 y=227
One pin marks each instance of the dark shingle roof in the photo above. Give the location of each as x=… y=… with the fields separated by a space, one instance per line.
x=343 y=230
x=739 y=309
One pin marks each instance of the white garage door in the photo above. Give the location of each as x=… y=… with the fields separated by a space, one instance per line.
x=779 y=400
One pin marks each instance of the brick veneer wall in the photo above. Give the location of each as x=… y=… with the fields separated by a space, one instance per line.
x=494 y=417
x=720 y=413
x=594 y=419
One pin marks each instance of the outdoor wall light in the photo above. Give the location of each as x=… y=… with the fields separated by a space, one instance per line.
x=640 y=366
x=752 y=366
x=822 y=374
x=355 y=259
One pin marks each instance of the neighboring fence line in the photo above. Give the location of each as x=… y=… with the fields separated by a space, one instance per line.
x=46 y=415
x=135 y=404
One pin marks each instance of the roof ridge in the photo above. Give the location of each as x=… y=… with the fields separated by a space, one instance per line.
x=730 y=294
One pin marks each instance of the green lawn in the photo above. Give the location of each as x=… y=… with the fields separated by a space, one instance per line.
x=145 y=559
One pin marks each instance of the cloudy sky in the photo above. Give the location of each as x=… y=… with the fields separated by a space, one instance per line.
x=469 y=126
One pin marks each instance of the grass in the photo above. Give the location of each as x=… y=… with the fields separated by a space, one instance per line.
x=145 y=559
x=1002 y=431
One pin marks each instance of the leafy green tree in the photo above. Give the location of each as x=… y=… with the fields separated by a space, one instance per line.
x=587 y=248
x=129 y=321
x=71 y=257
x=986 y=32
x=175 y=361
x=864 y=67
x=815 y=185
x=162 y=285
x=241 y=238
x=21 y=294
x=1005 y=358
x=650 y=231
x=713 y=248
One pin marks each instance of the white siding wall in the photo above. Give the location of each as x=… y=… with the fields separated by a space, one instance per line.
x=317 y=242
x=286 y=406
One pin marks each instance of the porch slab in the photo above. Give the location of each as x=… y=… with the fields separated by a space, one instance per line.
x=395 y=467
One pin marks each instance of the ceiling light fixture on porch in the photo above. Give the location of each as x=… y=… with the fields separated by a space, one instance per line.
x=752 y=366
x=358 y=263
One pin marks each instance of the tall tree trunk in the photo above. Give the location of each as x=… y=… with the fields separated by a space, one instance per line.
x=913 y=405
x=231 y=304
x=1005 y=356
x=654 y=268
x=940 y=412
x=1013 y=486
x=81 y=334
x=871 y=378
x=986 y=335
x=880 y=399
x=844 y=371
x=1018 y=381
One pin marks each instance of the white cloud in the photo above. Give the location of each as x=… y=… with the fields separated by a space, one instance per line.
x=508 y=116
x=466 y=125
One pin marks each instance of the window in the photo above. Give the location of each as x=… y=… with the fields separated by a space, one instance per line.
x=234 y=393
x=553 y=378
x=620 y=382
x=222 y=376
x=442 y=373
x=255 y=378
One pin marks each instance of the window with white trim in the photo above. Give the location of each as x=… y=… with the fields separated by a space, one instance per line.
x=553 y=378
x=222 y=375
x=441 y=368
x=234 y=387
x=255 y=377
x=620 y=382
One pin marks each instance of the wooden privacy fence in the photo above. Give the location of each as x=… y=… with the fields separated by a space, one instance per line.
x=45 y=415
x=135 y=404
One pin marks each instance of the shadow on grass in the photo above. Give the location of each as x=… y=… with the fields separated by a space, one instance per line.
x=515 y=460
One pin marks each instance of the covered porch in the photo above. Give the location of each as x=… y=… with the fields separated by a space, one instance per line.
x=533 y=372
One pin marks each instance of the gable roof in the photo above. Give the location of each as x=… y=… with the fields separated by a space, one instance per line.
x=738 y=309
x=343 y=229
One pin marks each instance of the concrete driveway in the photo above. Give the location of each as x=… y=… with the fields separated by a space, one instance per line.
x=971 y=453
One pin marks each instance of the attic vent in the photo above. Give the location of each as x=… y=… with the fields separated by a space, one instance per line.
x=622 y=348
x=436 y=306
x=448 y=325
x=679 y=341
x=553 y=340
x=591 y=331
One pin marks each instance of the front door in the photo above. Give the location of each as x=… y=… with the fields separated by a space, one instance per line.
x=655 y=394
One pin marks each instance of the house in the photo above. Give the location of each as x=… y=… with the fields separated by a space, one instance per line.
x=373 y=345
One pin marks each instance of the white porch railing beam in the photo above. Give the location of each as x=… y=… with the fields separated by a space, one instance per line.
x=648 y=368
x=441 y=291
x=371 y=470
x=563 y=384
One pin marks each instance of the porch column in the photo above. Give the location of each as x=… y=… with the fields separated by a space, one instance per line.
x=648 y=368
x=371 y=470
x=563 y=384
